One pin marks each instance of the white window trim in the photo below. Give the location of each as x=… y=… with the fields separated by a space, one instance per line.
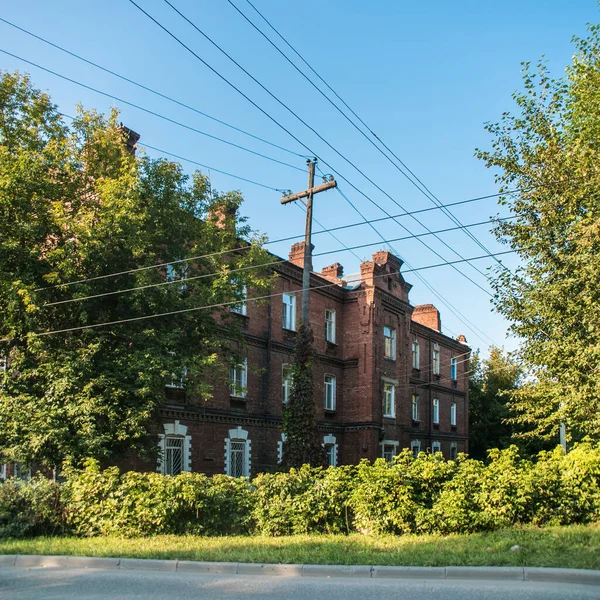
x=286 y=388
x=3 y=472
x=453 y=414
x=416 y=355
x=331 y=441
x=241 y=307
x=435 y=359
x=280 y=448
x=175 y=429
x=289 y=315
x=416 y=417
x=435 y=447
x=415 y=444
x=333 y=387
x=236 y=391
x=385 y=443
x=435 y=408
x=238 y=434
x=392 y=385
x=453 y=447
x=330 y=326
x=392 y=338
x=453 y=369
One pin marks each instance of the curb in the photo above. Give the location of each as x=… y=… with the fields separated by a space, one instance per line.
x=540 y=574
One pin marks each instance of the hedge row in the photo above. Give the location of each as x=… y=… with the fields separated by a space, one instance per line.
x=423 y=495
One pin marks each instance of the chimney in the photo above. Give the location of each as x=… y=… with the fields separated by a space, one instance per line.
x=334 y=271
x=130 y=137
x=223 y=214
x=296 y=255
x=428 y=315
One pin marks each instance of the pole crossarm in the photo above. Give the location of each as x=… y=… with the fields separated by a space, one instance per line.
x=314 y=190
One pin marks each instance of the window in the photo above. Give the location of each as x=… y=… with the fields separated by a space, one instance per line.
x=389 y=449
x=453 y=368
x=389 y=407
x=177 y=380
x=331 y=449
x=436 y=447
x=416 y=358
x=330 y=326
x=453 y=451
x=436 y=359
x=178 y=272
x=289 y=312
x=287 y=379
x=280 y=448
x=2 y=472
x=238 y=379
x=175 y=449
x=329 y=392
x=415 y=448
x=415 y=407
x=436 y=411
x=240 y=308
x=389 y=342
x=453 y=414
x=237 y=453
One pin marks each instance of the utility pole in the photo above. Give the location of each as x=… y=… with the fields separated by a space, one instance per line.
x=308 y=194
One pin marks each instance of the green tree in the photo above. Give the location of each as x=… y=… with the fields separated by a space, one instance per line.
x=76 y=206
x=549 y=153
x=490 y=384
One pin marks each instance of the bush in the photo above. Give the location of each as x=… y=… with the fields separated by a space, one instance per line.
x=30 y=508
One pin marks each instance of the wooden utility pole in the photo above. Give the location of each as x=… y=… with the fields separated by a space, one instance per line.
x=308 y=193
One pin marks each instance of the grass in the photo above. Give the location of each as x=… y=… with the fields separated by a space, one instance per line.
x=575 y=546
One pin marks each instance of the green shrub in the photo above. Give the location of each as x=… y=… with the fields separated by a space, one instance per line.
x=30 y=508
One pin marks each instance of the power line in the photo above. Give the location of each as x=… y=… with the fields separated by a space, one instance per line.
x=423 y=189
x=241 y=269
x=285 y=239
x=148 y=89
x=153 y=113
x=233 y=302
x=284 y=128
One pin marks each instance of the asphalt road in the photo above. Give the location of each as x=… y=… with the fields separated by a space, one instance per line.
x=113 y=584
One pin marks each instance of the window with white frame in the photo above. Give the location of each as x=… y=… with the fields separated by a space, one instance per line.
x=238 y=379
x=287 y=379
x=330 y=325
x=175 y=449
x=389 y=449
x=237 y=453
x=331 y=450
x=436 y=411
x=177 y=380
x=289 y=311
x=416 y=355
x=389 y=404
x=330 y=392
x=436 y=359
x=453 y=451
x=415 y=407
x=178 y=272
x=20 y=471
x=415 y=447
x=453 y=368
x=389 y=343
x=3 y=472
x=240 y=307
x=453 y=414
x=435 y=447
x=280 y=448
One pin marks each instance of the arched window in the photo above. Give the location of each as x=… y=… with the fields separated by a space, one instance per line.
x=175 y=449
x=237 y=453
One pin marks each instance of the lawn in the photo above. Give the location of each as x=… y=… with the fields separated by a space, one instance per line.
x=575 y=546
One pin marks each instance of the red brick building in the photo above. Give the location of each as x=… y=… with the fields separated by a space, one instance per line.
x=385 y=377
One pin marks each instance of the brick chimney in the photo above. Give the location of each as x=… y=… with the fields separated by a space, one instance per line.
x=130 y=137
x=428 y=315
x=334 y=271
x=223 y=215
x=296 y=255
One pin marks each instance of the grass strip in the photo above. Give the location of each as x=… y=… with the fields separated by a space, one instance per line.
x=574 y=546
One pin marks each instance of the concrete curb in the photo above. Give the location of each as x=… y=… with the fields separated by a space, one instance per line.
x=580 y=576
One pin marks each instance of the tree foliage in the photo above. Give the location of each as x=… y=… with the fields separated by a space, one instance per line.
x=549 y=153
x=491 y=381
x=76 y=206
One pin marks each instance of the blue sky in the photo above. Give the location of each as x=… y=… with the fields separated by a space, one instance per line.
x=424 y=76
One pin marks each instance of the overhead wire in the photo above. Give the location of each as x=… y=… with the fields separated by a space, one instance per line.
x=279 y=124
x=416 y=181
x=153 y=113
x=148 y=89
x=233 y=302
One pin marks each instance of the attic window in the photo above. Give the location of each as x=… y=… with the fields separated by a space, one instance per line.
x=390 y=283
